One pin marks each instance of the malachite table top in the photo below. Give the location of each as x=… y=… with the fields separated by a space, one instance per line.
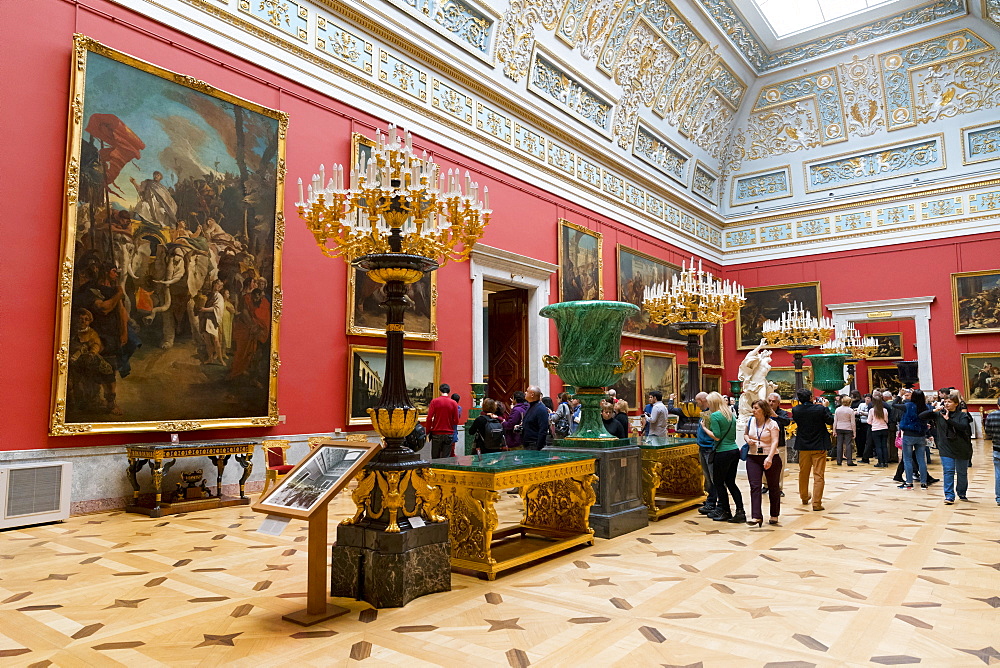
x=672 y=442
x=512 y=460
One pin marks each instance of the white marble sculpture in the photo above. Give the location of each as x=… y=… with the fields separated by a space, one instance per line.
x=753 y=373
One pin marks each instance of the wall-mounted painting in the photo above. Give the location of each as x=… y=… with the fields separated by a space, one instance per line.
x=784 y=379
x=885 y=377
x=659 y=372
x=975 y=301
x=768 y=303
x=711 y=348
x=636 y=271
x=627 y=388
x=423 y=375
x=170 y=289
x=981 y=372
x=890 y=346
x=366 y=317
x=581 y=265
x=711 y=384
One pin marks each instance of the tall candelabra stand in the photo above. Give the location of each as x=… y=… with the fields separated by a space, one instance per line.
x=848 y=341
x=797 y=331
x=693 y=302
x=396 y=221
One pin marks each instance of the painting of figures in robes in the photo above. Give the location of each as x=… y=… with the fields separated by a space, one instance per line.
x=580 y=264
x=170 y=284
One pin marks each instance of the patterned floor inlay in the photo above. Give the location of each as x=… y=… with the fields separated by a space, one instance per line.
x=206 y=589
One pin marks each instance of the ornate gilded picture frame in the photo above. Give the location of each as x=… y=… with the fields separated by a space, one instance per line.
x=768 y=303
x=981 y=373
x=637 y=270
x=975 y=301
x=659 y=372
x=890 y=346
x=711 y=383
x=322 y=474
x=365 y=316
x=367 y=372
x=627 y=388
x=581 y=263
x=170 y=286
x=886 y=377
x=711 y=348
x=784 y=379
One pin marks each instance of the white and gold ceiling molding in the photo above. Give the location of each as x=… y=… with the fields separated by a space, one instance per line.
x=464 y=22
x=906 y=159
x=980 y=143
x=761 y=186
x=646 y=47
x=705 y=183
x=957 y=87
x=757 y=55
x=920 y=68
x=991 y=10
x=861 y=89
x=557 y=85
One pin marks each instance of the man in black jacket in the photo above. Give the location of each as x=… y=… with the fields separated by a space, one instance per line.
x=812 y=440
x=536 y=420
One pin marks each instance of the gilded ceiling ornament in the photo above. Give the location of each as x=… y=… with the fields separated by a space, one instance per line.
x=593 y=31
x=945 y=90
x=516 y=34
x=640 y=71
x=861 y=89
x=785 y=129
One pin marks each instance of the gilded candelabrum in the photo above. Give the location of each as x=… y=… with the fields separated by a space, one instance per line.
x=693 y=302
x=797 y=331
x=394 y=220
x=848 y=341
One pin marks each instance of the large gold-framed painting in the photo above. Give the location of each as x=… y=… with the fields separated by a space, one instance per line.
x=711 y=348
x=890 y=346
x=170 y=285
x=367 y=374
x=768 y=303
x=659 y=372
x=581 y=263
x=636 y=271
x=975 y=301
x=885 y=377
x=981 y=372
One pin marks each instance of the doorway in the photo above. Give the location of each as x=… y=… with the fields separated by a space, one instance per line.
x=505 y=348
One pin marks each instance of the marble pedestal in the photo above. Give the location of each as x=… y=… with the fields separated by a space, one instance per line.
x=619 y=508
x=388 y=570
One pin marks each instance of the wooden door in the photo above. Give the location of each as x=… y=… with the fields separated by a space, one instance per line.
x=507 y=314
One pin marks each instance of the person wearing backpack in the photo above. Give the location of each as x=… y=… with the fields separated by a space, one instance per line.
x=562 y=416
x=487 y=429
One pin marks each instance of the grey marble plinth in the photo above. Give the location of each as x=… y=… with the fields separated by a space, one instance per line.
x=388 y=570
x=619 y=509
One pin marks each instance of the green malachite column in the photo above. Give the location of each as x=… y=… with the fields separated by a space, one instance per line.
x=590 y=358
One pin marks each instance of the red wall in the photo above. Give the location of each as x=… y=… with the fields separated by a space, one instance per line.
x=314 y=349
x=918 y=269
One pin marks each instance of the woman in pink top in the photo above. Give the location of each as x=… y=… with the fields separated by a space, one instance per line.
x=762 y=435
x=843 y=425
x=878 y=420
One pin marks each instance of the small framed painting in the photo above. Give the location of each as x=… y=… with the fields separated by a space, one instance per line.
x=659 y=372
x=975 y=301
x=885 y=377
x=784 y=379
x=890 y=346
x=981 y=372
x=768 y=303
x=367 y=374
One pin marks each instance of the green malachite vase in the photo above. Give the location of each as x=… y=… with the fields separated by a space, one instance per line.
x=828 y=374
x=590 y=335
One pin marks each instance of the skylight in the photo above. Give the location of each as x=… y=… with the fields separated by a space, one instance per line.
x=791 y=16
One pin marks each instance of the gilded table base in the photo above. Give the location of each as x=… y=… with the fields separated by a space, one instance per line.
x=556 y=503
x=672 y=479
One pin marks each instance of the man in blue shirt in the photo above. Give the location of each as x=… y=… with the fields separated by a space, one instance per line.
x=706 y=445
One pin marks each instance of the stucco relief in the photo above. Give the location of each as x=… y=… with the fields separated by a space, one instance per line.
x=640 y=72
x=516 y=34
x=862 y=94
x=786 y=129
x=945 y=90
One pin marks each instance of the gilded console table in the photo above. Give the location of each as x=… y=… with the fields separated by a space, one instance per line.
x=161 y=457
x=556 y=490
x=672 y=478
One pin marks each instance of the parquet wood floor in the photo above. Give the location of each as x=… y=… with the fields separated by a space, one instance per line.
x=881 y=577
